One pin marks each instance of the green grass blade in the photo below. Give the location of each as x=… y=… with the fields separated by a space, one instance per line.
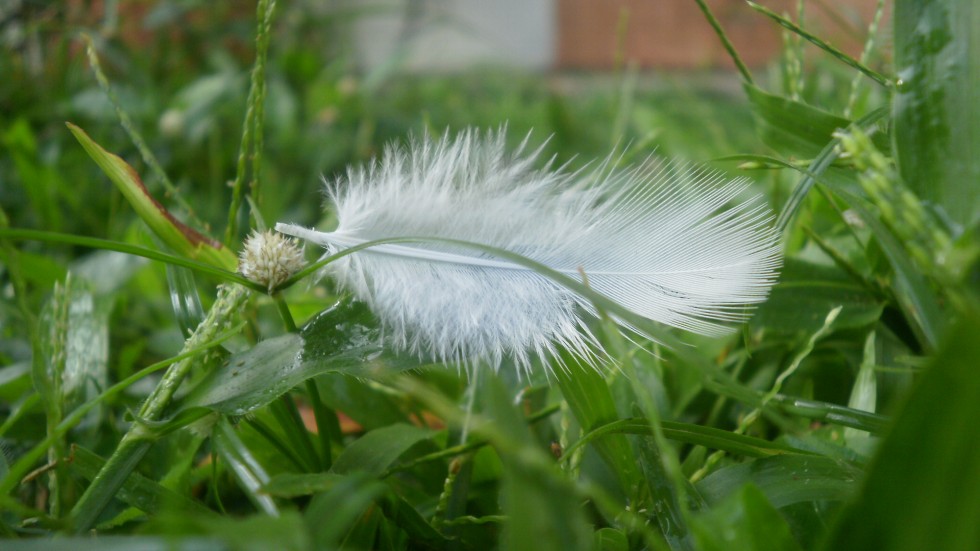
x=917 y=299
x=331 y=514
x=378 y=449
x=591 y=402
x=818 y=42
x=791 y=127
x=688 y=433
x=827 y=156
x=541 y=506
x=137 y=490
x=27 y=460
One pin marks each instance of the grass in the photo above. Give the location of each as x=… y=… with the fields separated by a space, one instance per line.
x=152 y=397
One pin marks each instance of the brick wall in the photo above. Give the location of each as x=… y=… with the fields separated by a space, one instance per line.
x=592 y=34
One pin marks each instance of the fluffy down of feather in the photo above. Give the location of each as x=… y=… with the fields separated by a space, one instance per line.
x=672 y=243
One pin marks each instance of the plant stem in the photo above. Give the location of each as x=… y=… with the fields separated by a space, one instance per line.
x=134 y=134
x=289 y=419
x=328 y=427
x=138 y=440
x=729 y=47
x=118 y=246
x=265 y=12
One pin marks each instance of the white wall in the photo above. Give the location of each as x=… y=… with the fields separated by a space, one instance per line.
x=443 y=35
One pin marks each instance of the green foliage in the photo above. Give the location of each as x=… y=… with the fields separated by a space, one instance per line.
x=840 y=417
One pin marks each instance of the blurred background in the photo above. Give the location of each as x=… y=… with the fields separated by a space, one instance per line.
x=346 y=77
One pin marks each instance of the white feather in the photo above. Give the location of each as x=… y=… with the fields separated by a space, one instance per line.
x=660 y=239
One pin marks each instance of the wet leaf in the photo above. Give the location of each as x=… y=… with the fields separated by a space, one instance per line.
x=936 y=107
x=785 y=479
x=341 y=339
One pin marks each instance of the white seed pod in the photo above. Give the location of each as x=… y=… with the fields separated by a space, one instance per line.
x=269 y=258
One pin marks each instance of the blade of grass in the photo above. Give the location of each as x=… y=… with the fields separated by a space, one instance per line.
x=134 y=134
x=869 y=46
x=246 y=469
x=688 y=433
x=136 y=250
x=751 y=417
x=137 y=490
x=922 y=490
x=178 y=236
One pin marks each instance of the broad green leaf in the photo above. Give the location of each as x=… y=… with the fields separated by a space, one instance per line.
x=922 y=490
x=805 y=293
x=377 y=450
x=745 y=521
x=937 y=102
x=342 y=339
x=137 y=490
x=177 y=235
x=790 y=127
x=784 y=479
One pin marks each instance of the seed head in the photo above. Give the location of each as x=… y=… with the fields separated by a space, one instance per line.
x=269 y=258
